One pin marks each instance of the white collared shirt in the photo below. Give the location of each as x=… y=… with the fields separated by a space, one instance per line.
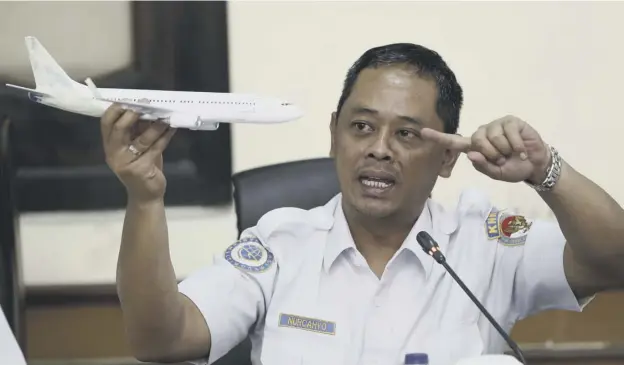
x=311 y=298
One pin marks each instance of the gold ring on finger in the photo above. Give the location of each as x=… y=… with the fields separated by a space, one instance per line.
x=134 y=150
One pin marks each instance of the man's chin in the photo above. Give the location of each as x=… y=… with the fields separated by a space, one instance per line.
x=375 y=208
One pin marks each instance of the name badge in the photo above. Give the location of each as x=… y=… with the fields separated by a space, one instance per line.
x=307 y=324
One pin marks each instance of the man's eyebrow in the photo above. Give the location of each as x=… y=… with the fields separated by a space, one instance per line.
x=412 y=120
x=365 y=110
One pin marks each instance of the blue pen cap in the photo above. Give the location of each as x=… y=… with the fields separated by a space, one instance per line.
x=416 y=359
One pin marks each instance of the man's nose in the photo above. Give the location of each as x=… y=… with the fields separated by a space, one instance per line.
x=380 y=148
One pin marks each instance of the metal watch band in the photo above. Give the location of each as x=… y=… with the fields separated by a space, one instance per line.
x=554 y=172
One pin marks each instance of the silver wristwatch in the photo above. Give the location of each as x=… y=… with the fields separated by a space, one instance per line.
x=554 y=172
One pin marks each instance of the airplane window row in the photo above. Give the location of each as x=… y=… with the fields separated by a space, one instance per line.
x=147 y=101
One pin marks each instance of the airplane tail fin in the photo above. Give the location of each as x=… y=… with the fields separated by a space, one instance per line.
x=49 y=76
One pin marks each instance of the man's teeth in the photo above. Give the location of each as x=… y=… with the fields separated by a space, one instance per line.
x=376 y=183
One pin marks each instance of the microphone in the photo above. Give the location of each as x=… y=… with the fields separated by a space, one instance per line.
x=430 y=246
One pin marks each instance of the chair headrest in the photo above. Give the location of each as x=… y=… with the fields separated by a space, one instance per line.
x=304 y=184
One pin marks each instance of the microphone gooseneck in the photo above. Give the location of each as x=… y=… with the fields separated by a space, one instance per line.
x=430 y=246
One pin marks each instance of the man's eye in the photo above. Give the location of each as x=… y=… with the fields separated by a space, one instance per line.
x=361 y=126
x=407 y=133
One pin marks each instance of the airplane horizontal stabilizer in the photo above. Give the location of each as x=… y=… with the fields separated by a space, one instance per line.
x=33 y=94
x=38 y=93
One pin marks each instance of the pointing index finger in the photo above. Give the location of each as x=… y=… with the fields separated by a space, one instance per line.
x=450 y=141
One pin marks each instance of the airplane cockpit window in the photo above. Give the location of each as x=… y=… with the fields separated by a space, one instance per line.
x=286 y=104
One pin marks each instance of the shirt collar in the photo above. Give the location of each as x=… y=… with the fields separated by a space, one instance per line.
x=433 y=220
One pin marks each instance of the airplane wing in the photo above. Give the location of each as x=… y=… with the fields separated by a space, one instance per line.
x=141 y=108
x=138 y=107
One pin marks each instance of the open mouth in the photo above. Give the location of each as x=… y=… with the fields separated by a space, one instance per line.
x=377 y=183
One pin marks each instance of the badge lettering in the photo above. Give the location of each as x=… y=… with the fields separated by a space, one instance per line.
x=307 y=324
x=491 y=225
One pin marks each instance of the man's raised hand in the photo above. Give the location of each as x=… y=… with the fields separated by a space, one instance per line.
x=133 y=150
x=506 y=149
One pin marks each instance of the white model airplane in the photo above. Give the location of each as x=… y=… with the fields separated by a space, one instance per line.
x=180 y=109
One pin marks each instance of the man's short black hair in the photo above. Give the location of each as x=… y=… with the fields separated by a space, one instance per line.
x=426 y=63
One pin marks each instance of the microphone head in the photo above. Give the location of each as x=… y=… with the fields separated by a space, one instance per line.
x=427 y=243
x=430 y=246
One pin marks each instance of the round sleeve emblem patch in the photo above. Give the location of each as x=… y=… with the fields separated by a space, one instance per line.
x=508 y=229
x=514 y=230
x=249 y=254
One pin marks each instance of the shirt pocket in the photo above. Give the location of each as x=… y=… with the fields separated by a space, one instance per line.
x=299 y=346
x=448 y=345
x=280 y=350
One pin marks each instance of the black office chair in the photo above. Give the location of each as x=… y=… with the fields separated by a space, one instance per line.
x=11 y=286
x=302 y=184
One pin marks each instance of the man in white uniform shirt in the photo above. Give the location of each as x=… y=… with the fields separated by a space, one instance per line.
x=347 y=283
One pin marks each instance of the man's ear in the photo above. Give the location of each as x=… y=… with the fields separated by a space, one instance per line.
x=450 y=159
x=332 y=130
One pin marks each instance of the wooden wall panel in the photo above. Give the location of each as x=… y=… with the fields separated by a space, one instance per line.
x=602 y=320
x=75 y=332
x=96 y=330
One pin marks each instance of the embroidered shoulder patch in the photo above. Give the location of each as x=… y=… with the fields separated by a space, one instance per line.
x=250 y=255
x=508 y=229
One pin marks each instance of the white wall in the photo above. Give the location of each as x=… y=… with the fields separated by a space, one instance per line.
x=86 y=38
x=556 y=65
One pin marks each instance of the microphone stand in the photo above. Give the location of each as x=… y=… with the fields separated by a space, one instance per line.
x=431 y=248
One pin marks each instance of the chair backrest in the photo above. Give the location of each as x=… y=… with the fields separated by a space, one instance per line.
x=11 y=286
x=301 y=184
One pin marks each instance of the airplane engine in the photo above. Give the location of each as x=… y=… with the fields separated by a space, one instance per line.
x=209 y=126
x=179 y=120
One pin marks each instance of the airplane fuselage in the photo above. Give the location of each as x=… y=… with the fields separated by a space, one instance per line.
x=206 y=108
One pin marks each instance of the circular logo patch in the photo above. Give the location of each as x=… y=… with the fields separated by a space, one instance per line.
x=249 y=254
x=514 y=230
